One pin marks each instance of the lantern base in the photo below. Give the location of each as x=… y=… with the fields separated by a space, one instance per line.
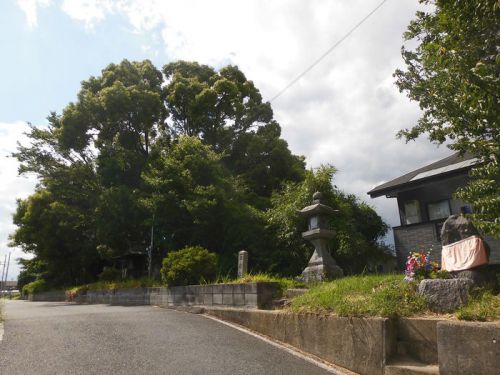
x=321 y=272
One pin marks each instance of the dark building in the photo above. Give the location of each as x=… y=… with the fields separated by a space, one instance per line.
x=425 y=200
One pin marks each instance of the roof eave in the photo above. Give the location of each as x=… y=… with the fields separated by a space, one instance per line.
x=391 y=192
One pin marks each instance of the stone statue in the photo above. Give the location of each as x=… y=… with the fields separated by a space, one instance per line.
x=458 y=228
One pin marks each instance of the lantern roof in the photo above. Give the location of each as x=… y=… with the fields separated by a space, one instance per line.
x=317 y=208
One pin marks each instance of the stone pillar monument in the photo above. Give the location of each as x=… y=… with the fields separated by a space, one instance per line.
x=321 y=266
x=242 y=263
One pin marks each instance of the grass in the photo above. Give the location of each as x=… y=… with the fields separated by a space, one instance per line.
x=483 y=305
x=385 y=295
x=373 y=295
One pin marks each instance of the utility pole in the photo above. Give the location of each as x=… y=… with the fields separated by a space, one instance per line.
x=150 y=249
x=7 y=272
x=3 y=273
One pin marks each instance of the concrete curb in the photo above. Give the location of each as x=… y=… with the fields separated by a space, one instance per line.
x=330 y=367
x=1 y=331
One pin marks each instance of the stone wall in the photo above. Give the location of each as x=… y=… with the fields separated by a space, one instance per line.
x=249 y=295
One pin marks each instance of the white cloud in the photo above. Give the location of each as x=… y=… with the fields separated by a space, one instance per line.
x=89 y=12
x=30 y=9
x=12 y=186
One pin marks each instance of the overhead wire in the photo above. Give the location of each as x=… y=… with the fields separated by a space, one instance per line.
x=327 y=52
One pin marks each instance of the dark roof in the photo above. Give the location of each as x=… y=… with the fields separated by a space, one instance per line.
x=449 y=165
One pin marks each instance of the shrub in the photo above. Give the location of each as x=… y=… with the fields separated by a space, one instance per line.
x=36 y=286
x=189 y=266
x=110 y=274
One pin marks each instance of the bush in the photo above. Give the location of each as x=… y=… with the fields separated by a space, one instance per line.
x=36 y=286
x=189 y=266
x=110 y=274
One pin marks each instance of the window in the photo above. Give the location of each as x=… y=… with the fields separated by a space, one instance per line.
x=412 y=212
x=439 y=210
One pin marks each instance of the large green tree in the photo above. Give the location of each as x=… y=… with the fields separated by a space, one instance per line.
x=453 y=72
x=142 y=149
x=189 y=156
x=196 y=201
x=226 y=111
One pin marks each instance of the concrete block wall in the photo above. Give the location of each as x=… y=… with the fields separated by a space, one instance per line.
x=249 y=295
x=51 y=296
x=423 y=237
x=494 y=244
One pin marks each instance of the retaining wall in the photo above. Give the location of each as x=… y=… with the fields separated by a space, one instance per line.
x=52 y=296
x=357 y=344
x=468 y=348
x=362 y=345
x=250 y=295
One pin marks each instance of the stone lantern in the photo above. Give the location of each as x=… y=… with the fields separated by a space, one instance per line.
x=321 y=266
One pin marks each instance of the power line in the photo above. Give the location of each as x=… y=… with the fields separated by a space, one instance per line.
x=327 y=52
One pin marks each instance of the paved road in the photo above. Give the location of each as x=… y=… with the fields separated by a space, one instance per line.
x=57 y=338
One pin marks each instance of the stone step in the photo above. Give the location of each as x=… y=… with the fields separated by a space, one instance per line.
x=410 y=349
x=408 y=366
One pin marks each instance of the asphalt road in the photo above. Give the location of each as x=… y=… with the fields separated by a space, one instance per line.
x=58 y=338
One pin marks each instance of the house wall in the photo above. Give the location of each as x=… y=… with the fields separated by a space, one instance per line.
x=417 y=237
x=431 y=192
x=425 y=235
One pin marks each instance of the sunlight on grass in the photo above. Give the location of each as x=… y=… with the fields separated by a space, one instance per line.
x=483 y=305
x=374 y=295
x=285 y=283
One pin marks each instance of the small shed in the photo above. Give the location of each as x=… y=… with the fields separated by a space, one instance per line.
x=425 y=200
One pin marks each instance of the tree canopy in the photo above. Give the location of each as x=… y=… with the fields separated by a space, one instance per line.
x=453 y=72
x=186 y=156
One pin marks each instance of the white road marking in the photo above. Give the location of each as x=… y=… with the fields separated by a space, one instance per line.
x=288 y=348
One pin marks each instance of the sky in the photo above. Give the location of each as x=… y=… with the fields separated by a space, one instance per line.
x=345 y=111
